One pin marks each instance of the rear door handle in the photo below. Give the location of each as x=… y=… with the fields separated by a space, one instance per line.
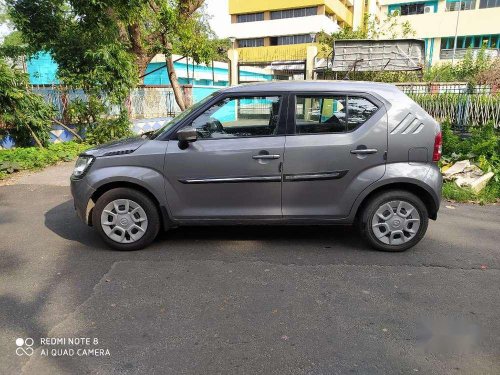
x=364 y=151
x=265 y=157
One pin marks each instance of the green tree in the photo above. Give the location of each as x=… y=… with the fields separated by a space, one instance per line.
x=389 y=27
x=470 y=69
x=11 y=47
x=107 y=44
x=24 y=115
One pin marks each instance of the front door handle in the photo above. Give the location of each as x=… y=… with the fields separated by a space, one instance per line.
x=364 y=151
x=265 y=157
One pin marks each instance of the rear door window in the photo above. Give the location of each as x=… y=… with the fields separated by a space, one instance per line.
x=331 y=113
x=359 y=111
x=318 y=114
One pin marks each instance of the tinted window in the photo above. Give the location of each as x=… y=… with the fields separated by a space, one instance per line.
x=293 y=39
x=359 y=111
x=489 y=3
x=452 y=6
x=320 y=114
x=240 y=117
x=257 y=42
x=331 y=114
x=251 y=17
x=415 y=8
x=294 y=13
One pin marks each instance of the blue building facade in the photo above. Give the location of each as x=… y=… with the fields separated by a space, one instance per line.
x=42 y=70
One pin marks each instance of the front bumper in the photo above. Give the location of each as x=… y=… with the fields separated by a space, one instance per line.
x=82 y=193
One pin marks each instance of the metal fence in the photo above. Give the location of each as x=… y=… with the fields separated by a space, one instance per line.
x=460 y=104
x=152 y=102
x=144 y=102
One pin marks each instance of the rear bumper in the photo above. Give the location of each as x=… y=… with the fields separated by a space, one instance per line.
x=81 y=192
x=434 y=179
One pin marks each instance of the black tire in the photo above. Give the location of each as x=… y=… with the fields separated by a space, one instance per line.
x=153 y=217
x=370 y=208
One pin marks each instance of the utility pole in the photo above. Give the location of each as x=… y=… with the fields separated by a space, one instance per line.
x=456 y=34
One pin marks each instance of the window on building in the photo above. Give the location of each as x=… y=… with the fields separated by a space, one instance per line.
x=489 y=3
x=290 y=39
x=495 y=41
x=412 y=8
x=256 y=42
x=453 y=5
x=250 y=17
x=293 y=13
x=473 y=41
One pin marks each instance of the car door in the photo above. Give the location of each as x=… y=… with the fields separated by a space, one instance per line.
x=337 y=148
x=233 y=169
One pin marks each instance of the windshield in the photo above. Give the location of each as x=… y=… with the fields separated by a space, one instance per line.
x=181 y=116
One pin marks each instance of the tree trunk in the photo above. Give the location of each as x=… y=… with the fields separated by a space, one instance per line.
x=178 y=93
x=142 y=65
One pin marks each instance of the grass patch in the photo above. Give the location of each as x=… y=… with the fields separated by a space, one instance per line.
x=30 y=158
x=490 y=194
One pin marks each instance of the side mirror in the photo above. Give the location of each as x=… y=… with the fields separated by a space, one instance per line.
x=187 y=134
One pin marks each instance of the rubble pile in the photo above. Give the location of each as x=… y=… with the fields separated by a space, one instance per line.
x=466 y=174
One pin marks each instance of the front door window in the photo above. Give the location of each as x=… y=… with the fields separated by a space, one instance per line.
x=249 y=116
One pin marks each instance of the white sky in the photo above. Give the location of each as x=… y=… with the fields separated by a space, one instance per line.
x=217 y=10
x=3 y=30
x=221 y=20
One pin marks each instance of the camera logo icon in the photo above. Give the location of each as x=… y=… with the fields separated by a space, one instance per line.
x=24 y=346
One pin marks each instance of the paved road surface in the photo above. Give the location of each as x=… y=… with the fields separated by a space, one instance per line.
x=247 y=300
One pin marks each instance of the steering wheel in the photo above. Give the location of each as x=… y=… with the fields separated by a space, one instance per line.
x=214 y=126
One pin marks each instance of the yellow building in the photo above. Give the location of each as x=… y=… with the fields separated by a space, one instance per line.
x=281 y=30
x=274 y=30
x=436 y=21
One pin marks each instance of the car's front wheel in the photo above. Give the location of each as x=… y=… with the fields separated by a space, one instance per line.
x=394 y=220
x=126 y=219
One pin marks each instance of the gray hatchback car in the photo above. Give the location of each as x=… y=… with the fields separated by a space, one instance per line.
x=272 y=153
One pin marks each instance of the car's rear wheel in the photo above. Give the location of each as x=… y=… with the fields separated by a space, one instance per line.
x=126 y=219
x=394 y=220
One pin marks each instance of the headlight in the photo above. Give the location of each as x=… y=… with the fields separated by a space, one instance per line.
x=82 y=165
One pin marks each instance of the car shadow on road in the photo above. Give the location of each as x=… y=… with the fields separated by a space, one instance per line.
x=63 y=221
x=342 y=234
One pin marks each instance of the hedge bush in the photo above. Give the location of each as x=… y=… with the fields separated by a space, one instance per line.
x=36 y=158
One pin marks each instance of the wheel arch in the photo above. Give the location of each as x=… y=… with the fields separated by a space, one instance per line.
x=165 y=221
x=411 y=186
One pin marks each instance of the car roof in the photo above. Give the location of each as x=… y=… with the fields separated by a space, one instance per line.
x=286 y=86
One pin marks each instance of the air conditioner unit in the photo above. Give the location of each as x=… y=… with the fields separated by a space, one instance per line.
x=394 y=11
x=428 y=9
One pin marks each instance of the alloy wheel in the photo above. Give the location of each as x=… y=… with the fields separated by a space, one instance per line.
x=124 y=221
x=396 y=222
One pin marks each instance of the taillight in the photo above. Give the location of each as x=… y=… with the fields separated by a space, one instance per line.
x=438 y=147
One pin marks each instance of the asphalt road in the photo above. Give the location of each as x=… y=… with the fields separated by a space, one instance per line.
x=299 y=300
